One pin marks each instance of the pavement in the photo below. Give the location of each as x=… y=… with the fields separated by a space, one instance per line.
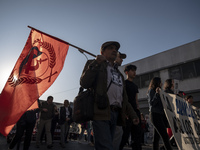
x=71 y=145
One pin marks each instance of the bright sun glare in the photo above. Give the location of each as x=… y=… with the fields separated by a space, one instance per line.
x=15 y=78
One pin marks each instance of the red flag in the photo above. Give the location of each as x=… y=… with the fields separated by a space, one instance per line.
x=37 y=67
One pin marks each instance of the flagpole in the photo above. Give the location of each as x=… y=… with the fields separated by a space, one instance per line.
x=80 y=49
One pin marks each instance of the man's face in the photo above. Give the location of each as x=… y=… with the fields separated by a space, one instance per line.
x=66 y=103
x=119 y=60
x=110 y=53
x=190 y=100
x=50 y=100
x=131 y=73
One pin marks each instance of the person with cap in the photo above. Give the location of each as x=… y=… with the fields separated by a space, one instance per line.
x=111 y=104
x=118 y=131
x=132 y=92
x=119 y=59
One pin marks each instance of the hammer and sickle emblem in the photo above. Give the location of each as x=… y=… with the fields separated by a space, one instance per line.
x=27 y=62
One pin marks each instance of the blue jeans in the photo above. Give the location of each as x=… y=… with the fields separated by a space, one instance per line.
x=104 y=132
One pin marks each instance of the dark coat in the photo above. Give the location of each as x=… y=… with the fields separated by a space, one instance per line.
x=63 y=115
x=94 y=76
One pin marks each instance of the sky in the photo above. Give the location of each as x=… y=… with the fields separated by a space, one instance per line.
x=142 y=27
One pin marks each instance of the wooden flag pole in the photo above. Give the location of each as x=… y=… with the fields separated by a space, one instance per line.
x=80 y=49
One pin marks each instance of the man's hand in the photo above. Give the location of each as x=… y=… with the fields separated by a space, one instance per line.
x=136 y=121
x=158 y=90
x=45 y=110
x=100 y=59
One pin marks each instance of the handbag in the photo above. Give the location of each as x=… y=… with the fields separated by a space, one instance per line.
x=83 y=106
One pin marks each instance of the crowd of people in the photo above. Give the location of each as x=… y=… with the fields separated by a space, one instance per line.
x=49 y=118
x=117 y=119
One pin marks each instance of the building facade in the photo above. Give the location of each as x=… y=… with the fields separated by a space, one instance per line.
x=181 y=63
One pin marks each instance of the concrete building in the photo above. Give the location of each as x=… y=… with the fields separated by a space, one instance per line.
x=181 y=63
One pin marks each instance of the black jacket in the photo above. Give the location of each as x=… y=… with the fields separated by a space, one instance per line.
x=63 y=115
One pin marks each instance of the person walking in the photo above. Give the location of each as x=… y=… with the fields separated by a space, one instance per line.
x=111 y=104
x=65 y=121
x=157 y=114
x=47 y=113
x=134 y=130
x=25 y=125
x=169 y=88
x=118 y=130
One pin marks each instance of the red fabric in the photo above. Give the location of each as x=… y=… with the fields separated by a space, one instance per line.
x=36 y=69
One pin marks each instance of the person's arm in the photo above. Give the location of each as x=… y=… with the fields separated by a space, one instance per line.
x=62 y=114
x=53 y=111
x=154 y=97
x=89 y=74
x=37 y=110
x=42 y=108
x=136 y=98
x=131 y=113
x=39 y=105
x=91 y=71
x=70 y=115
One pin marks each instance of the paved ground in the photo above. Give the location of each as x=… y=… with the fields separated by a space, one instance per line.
x=72 y=145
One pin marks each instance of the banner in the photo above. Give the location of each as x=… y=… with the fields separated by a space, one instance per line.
x=184 y=120
x=36 y=69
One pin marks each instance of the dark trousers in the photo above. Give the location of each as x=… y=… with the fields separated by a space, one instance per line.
x=53 y=127
x=21 y=128
x=160 y=124
x=43 y=136
x=136 y=134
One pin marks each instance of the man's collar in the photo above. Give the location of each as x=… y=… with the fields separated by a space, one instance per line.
x=110 y=64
